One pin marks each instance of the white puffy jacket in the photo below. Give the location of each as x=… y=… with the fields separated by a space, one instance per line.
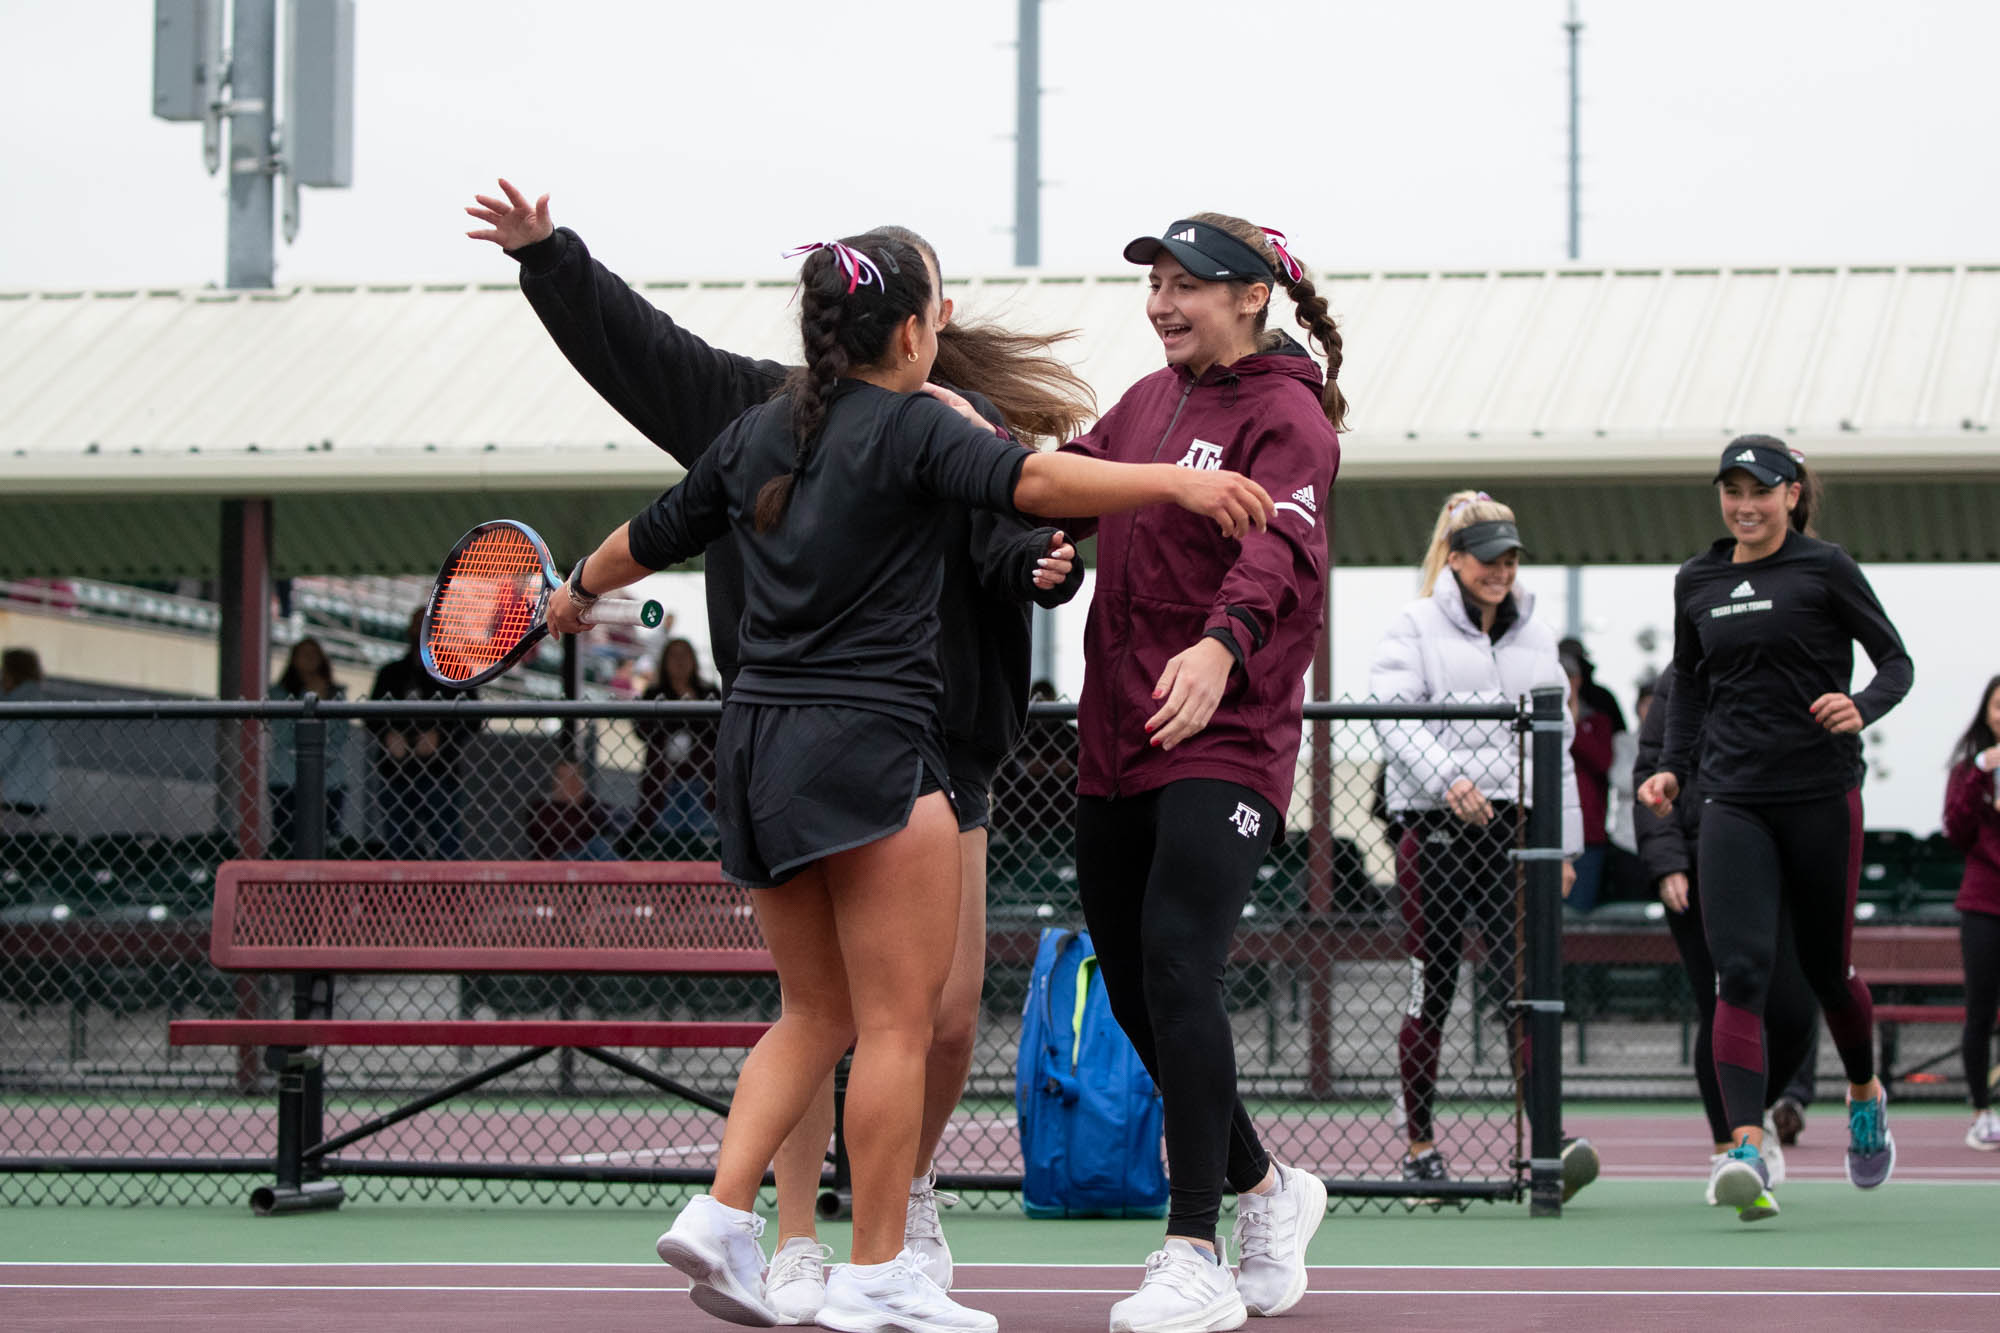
x=1435 y=653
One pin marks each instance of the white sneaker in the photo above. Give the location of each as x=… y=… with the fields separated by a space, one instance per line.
x=1774 y=1153
x=716 y=1246
x=1985 y=1132
x=795 y=1284
x=897 y=1295
x=1185 y=1291
x=921 y=1232
x=1270 y=1238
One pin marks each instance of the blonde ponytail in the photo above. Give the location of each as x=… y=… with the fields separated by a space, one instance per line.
x=1461 y=509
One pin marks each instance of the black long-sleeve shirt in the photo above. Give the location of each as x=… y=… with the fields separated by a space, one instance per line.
x=1666 y=842
x=1754 y=645
x=842 y=592
x=679 y=392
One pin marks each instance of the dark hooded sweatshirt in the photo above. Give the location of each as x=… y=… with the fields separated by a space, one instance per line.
x=1167 y=577
x=680 y=393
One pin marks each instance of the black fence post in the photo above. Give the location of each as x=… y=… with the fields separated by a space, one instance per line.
x=312 y=993
x=309 y=783
x=1544 y=998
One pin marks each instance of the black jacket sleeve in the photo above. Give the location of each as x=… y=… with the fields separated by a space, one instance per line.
x=675 y=389
x=1663 y=842
x=1689 y=707
x=1862 y=616
x=681 y=523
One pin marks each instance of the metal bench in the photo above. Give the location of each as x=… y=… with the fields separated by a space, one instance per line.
x=313 y=919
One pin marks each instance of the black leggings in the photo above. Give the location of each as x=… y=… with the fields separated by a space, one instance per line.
x=1757 y=858
x=1453 y=877
x=1164 y=876
x=1979 y=940
x=1791 y=1014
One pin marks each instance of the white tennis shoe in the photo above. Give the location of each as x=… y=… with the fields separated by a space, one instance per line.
x=1185 y=1291
x=716 y=1247
x=898 y=1295
x=922 y=1233
x=795 y=1283
x=1271 y=1234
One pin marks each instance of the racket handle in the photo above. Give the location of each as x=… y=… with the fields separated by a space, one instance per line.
x=625 y=611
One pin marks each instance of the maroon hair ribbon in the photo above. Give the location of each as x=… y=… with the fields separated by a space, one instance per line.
x=1293 y=269
x=859 y=268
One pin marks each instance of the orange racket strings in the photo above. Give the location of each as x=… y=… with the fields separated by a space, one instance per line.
x=488 y=599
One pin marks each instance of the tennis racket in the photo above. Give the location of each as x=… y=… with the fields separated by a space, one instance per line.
x=490 y=606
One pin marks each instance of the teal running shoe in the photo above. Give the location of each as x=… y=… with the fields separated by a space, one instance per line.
x=1871 y=1148
x=1740 y=1177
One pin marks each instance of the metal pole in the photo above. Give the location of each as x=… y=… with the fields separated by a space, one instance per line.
x=252 y=183
x=1028 y=138
x=1544 y=998
x=1574 y=27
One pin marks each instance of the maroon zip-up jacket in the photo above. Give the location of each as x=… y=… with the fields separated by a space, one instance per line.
x=1166 y=578
x=1973 y=826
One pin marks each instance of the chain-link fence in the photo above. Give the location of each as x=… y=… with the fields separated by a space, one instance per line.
x=1382 y=984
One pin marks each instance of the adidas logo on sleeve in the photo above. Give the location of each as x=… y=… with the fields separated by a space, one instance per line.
x=1301 y=504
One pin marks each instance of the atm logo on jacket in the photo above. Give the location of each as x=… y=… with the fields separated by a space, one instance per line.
x=1202 y=456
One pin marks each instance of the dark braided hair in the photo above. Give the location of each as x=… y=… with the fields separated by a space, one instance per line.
x=1313 y=315
x=842 y=331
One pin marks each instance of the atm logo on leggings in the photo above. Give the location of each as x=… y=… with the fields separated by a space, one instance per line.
x=1247 y=821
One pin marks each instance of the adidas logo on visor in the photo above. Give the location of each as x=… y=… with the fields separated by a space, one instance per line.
x=1747 y=456
x=1187 y=236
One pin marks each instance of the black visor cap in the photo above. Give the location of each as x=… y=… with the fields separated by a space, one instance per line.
x=1487 y=540
x=1764 y=458
x=1208 y=253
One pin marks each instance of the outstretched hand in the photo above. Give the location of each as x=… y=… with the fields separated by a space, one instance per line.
x=512 y=222
x=1236 y=503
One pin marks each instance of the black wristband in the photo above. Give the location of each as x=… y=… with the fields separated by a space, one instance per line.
x=576 y=588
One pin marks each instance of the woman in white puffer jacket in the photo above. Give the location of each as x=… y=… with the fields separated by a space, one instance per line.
x=1454 y=788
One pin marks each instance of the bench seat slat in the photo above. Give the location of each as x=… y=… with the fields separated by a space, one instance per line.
x=461 y=1032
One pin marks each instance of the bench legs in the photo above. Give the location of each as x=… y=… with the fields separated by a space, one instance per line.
x=297 y=1189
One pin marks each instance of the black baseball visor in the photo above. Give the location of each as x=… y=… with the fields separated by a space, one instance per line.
x=1764 y=458
x=1487 y=540
x=1208 y=253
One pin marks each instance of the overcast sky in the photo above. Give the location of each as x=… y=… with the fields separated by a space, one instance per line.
x=697 y=138
x=703 y=138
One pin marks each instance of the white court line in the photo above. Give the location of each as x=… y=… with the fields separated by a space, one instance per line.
x=1483 y=1293
x=636 y=1154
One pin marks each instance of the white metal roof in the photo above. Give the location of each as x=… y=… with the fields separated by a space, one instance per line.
x=1571 y=376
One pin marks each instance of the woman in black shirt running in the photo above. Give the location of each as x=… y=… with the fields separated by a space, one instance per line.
x=680 y=392
x=1765 y=623
x=832 y=785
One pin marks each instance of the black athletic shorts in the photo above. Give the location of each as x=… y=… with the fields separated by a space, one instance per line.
x=971 y=787
x=797 y=783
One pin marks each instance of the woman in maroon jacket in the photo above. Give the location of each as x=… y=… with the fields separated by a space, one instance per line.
x=1972 y=822
x=1195 y=660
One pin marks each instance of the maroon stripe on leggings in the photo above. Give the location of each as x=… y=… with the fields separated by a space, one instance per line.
x=1739 y=1037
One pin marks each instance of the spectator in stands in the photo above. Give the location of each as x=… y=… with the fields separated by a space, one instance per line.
x=569 y=824
x=1972 y=822
x=1593 y=753
x=674 y=794
x=1450 y=787
x=307 y=670
x=417 y=759
x=27 y=749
